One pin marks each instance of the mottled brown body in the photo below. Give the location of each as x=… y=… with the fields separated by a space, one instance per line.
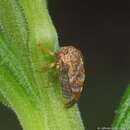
x=71 y=72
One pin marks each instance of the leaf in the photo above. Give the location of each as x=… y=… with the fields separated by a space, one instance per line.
x=122 y=117
x=3 y=100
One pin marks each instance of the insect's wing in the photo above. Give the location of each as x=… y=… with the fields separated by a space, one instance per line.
x=67 y=92
x=64 y=79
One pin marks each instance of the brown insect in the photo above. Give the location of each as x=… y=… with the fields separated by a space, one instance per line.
x=71 y=70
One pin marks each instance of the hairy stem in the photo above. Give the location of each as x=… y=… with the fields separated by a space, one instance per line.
x=35 y=97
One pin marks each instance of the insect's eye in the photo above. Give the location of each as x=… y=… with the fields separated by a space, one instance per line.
x=61 y=54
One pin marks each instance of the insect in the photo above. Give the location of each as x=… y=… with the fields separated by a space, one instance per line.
x=70 y=66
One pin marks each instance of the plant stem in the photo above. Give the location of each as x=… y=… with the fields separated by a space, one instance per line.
x=35 y=97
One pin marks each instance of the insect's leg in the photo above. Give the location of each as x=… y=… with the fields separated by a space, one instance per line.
x=46 y=50
x=73 y=99
x=44 y=68
x=70 y=102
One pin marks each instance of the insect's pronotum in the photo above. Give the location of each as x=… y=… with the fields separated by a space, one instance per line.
x=71 y=70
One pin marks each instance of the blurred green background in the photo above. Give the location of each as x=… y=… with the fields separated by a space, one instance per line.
x=102 y=31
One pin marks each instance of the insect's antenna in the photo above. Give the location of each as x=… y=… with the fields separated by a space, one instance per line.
x=46 y=50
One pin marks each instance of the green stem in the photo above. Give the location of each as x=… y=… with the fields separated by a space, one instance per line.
x=35 y=97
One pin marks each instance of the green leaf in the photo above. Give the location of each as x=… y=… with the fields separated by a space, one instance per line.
x=35 y=97
x=122 y=118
